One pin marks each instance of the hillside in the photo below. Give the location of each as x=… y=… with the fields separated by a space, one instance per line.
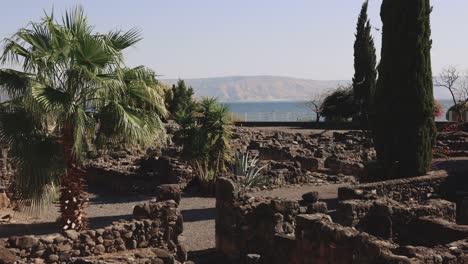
x=267 y=88
x=257 y=88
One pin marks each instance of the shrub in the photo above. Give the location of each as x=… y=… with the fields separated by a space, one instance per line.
x=206 y=176
x=205 y=135
x=339 y=105
x=180 y=100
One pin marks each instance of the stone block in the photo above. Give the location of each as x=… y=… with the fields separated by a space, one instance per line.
x=168 y=192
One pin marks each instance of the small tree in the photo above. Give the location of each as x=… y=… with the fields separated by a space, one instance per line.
x=180 y=100
x=316 y=104
x=365 y=75
x=456 y=84
x=206 y=134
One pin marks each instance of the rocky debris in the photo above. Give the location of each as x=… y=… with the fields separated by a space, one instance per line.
x=411 y=189
x=6 y=256
x=452 y=144
x=318 y=207
x=300 y=158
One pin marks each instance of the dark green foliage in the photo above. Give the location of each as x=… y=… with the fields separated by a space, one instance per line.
x=339 y=106
x=365 y=75
x=404 y=103
x=180 y=101
x=205 y=134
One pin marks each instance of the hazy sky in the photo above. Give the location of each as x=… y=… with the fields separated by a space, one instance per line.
x=208 y=38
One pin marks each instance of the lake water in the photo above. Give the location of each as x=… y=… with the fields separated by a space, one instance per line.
x=286 y=111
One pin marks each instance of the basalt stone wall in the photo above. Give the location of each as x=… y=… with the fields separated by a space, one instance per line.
x=246 y=224
x=259 y=230
x=431 y=232
x=142 y=177
x=355 y=212
x=412 y=189
x=157 y=224
x=319 y=240
x=389 y=219
x=452 y=144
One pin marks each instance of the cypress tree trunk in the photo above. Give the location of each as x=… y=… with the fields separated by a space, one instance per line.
x=405 y=129
x=365 y=72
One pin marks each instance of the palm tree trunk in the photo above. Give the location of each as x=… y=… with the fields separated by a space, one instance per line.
x=72 y=197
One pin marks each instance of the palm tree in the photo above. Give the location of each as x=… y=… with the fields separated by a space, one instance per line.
x=73 y=92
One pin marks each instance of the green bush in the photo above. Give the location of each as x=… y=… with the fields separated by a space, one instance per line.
x=205 y=134
x=180 y=100
x=339 y=106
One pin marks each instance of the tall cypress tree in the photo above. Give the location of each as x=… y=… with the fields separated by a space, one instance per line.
x=365 y=72
x=404 y=102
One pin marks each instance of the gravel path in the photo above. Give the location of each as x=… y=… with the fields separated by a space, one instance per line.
x=327 y=192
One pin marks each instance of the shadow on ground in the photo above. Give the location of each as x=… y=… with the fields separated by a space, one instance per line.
x=52 y=227
x=194 y=215
x=103 y=197
x=206 y=256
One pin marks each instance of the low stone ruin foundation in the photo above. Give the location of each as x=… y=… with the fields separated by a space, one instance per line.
x=398 y=221
x=156 y=226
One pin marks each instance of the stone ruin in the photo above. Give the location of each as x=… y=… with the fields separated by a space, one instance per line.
x=291 y=158
x=417 y=220
x=313 y=159
x=156 y=227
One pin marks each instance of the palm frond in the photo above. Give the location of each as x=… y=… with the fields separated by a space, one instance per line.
x=143 y=90
x=121 y=40
x=120 y=123
x=36 y=156
x=12 y=51
x=93 y=52
x=13 y=83
x=76 y=22
x=51 y=99
x=84 y=128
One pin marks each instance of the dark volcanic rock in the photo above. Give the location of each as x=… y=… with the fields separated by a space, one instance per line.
x=310 y=197
x=169 y=192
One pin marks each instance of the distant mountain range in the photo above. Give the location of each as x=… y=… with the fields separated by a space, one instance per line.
x=263 y=88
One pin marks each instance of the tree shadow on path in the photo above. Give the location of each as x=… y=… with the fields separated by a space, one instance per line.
x=49 y=228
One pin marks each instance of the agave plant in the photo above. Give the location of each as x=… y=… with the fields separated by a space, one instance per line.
x=70 y=90
x=249 y=168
